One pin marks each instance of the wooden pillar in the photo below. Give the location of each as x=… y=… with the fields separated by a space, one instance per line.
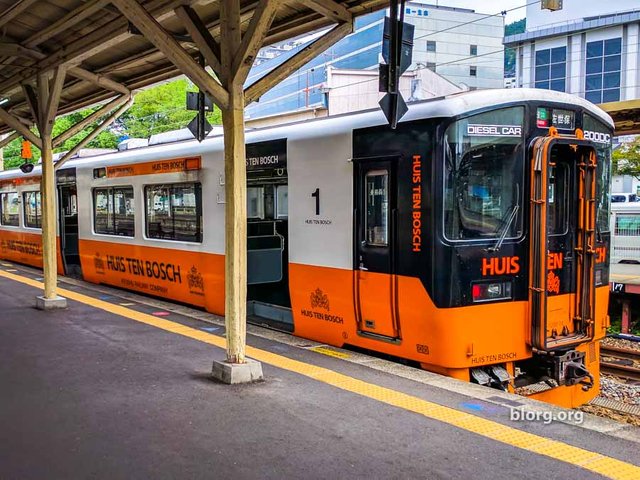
x=626 y=316
x=47 y=107
x=235 y=226
x=235 y=188
x=237 y=54
x=48 y=197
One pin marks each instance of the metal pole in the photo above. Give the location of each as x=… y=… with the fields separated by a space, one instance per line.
x=626 y=316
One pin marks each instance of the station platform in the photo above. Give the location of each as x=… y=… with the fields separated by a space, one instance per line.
x=625 y=278
x=118 y=385
x=624 y=283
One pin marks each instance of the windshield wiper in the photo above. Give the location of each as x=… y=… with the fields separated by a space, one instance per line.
x=507 y=225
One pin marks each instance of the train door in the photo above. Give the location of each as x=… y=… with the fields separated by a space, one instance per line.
x=563 y=238
x=268 y=297
x=375 y=280
x=68 y=221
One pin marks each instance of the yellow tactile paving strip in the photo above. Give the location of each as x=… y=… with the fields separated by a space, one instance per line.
x=593 y=461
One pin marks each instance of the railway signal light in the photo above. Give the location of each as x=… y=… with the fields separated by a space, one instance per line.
x=199 y=102
x=199 y=127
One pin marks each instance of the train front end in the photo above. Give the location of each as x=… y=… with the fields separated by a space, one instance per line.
x=525 y=235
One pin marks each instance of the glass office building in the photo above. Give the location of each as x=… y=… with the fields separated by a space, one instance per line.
x=461 y=45
x=304 y=88
x=588 y=48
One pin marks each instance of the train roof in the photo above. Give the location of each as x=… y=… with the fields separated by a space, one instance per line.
x=440 y=107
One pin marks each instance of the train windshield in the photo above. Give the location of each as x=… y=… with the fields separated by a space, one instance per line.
x=483 y=179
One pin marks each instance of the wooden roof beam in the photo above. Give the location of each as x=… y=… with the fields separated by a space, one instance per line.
x=253 y=38
x=88 y=120
x=72 y=18
x=94 y=133
x=100 y=80
x=19 y=127
x=31 y=99
x=209 y=48
x=48 y=114
x=78 y=72
x=213 y=28
x=103 y=38
x=14 y=11
x=282 y=71
x=330 y=9
x=9 y=139
x=17 y=50
x=159 y=37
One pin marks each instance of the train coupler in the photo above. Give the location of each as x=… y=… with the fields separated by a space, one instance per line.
x=569 y=369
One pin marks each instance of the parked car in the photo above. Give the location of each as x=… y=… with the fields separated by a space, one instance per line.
x=624 y=197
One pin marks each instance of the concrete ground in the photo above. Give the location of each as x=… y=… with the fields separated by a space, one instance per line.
x=116 y=387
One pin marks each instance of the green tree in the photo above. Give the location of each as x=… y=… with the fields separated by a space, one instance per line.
x=510 y=53
x=625 y=160
x=161 y=109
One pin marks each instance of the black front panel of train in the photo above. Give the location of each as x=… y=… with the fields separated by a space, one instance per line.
x=482 y=208
x=407 y=154
x=463 y=203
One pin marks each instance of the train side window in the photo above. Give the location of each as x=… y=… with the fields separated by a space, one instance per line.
x=114 y=212
x=255 y=203
x=123 y=212
x=174 y=212
x=103 y=211
x=377 y=205
x=32 y=209
x=282 y=201
x=9 y=209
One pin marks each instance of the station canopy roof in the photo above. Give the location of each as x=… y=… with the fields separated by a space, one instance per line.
x=626 y=116
x=93 y=36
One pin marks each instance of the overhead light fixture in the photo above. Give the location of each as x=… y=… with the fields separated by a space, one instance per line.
x=3 y=101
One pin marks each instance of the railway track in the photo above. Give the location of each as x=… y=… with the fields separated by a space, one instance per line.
x=621 y=362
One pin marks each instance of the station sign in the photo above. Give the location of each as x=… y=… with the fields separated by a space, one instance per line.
x=267 y=155
x=175 y=165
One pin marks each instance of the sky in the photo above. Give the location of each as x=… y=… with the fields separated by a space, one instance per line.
x=489 y=6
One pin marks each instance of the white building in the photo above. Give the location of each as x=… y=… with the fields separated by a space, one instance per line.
x=347 y=91
x=589 y=48
x=463 y=46
x=351 y=91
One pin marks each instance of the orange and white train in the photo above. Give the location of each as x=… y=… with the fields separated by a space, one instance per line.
x=472 y=240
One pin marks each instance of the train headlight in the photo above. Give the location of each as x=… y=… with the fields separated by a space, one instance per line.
x=485 y=292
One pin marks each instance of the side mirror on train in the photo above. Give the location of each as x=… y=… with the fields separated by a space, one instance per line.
x=26 y=167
